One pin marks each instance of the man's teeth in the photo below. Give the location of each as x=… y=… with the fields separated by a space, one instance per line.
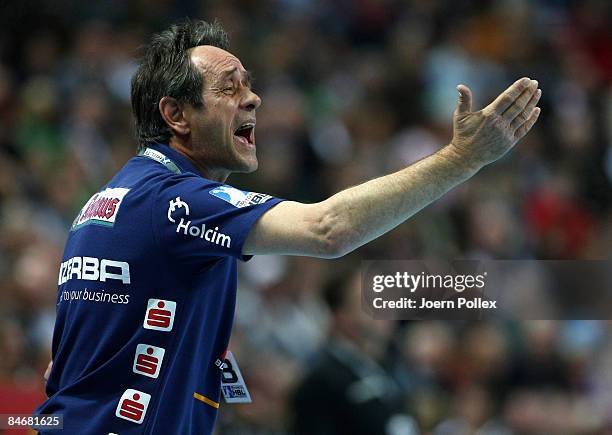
x=246 y=126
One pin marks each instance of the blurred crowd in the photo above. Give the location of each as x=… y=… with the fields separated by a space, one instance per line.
x=351 y=90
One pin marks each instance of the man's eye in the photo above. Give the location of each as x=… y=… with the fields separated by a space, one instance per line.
x=228 y=89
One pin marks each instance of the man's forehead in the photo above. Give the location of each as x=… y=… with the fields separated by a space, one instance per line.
x=215 y=60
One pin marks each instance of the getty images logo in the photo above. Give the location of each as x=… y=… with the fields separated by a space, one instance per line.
x=211 y=235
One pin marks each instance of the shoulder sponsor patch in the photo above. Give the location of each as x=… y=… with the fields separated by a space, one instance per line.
x=101 y=209
x=239 y=198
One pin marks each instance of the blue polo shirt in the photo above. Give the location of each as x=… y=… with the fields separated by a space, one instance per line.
x=146 y=298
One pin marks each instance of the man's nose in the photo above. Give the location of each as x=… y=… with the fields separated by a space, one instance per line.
x=251 y=101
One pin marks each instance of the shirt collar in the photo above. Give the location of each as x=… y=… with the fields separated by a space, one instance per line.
x=184 y=164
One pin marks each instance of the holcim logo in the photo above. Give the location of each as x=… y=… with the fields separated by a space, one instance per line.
x=212 y=235
x=102 y=208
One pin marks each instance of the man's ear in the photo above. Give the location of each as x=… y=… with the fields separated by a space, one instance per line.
x=172 y=112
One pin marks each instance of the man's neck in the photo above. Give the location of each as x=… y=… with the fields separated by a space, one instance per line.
x=219 y=175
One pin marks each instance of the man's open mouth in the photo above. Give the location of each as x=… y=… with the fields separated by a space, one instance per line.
x=245 y=132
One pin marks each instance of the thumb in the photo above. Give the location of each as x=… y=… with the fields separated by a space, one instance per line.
x=464 y=101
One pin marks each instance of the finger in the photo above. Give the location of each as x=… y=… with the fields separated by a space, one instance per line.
x=464 y=101
x=524 y=129
x=522 y=117
x=506 y=98
x=521 y=102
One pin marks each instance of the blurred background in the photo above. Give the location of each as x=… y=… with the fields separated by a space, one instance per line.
x=351 y=90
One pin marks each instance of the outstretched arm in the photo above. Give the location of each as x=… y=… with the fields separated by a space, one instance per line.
x=357 y=215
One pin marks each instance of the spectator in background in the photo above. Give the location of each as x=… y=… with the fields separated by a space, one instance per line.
x=349 y=379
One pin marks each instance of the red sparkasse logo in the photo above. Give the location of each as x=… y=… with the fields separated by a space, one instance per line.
x=101 y=209
x=133 y=405
x=160 y=315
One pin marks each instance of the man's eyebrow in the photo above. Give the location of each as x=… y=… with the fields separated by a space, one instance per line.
x=229 y=72
x=247 y=74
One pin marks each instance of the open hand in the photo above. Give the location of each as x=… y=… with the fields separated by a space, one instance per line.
x=482 y=137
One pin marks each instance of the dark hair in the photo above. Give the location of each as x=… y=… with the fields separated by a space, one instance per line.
x=336 y=290
x=335 y=293
x=165 y=69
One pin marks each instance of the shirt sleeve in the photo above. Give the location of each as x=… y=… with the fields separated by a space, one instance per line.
x=195 y=219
